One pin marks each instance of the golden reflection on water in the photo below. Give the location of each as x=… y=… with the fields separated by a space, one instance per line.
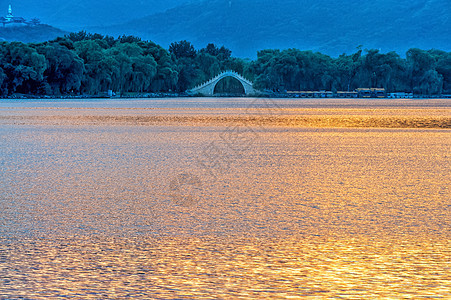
x=170 y=268
x=88 y=209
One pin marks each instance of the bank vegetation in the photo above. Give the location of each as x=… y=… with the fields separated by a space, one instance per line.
x=91 y=64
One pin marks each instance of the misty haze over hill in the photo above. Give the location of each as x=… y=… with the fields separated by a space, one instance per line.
x=245 y=26
x=328 y=26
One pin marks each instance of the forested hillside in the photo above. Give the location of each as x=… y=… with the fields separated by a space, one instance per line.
x=246 y=26
x=90 y=64
x=331 y=27
x=29 y=34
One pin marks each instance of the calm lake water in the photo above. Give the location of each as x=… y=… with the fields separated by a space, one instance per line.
x=205 y=198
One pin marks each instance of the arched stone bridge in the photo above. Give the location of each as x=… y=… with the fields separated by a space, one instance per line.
x=208 y=88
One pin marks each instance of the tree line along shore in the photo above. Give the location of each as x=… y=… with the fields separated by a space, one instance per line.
x=85 y=65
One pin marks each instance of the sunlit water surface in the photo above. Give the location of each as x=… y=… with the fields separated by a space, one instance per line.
x=114 y=209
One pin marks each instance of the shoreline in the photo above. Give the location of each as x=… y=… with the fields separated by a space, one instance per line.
x=187 y=95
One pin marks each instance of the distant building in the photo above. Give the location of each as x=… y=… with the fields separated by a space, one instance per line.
x=10 y=19
x=400 y=95
x=9 y=16
x=371 y=92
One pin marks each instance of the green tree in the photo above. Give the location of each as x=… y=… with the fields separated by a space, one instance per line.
x=182 y=49
x=423 y=77
x=22 y=68
x=144 y=69
x=209 y=65
x=443 y=67
x=347 y=67
x=221 y=53
x=92 y=54
x=65 y=69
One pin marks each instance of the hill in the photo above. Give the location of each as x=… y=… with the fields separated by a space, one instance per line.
x=332 y=27
x=30 y=34
x=74 y=15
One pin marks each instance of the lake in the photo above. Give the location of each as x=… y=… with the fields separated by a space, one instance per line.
x=225 y=198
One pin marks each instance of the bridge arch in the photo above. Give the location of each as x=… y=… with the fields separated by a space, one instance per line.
x=229 y=86
x=208 y=88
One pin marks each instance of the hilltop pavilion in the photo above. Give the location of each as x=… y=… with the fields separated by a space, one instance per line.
x=9 y=19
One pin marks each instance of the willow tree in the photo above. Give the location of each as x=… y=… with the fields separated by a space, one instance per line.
x=22 y=68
